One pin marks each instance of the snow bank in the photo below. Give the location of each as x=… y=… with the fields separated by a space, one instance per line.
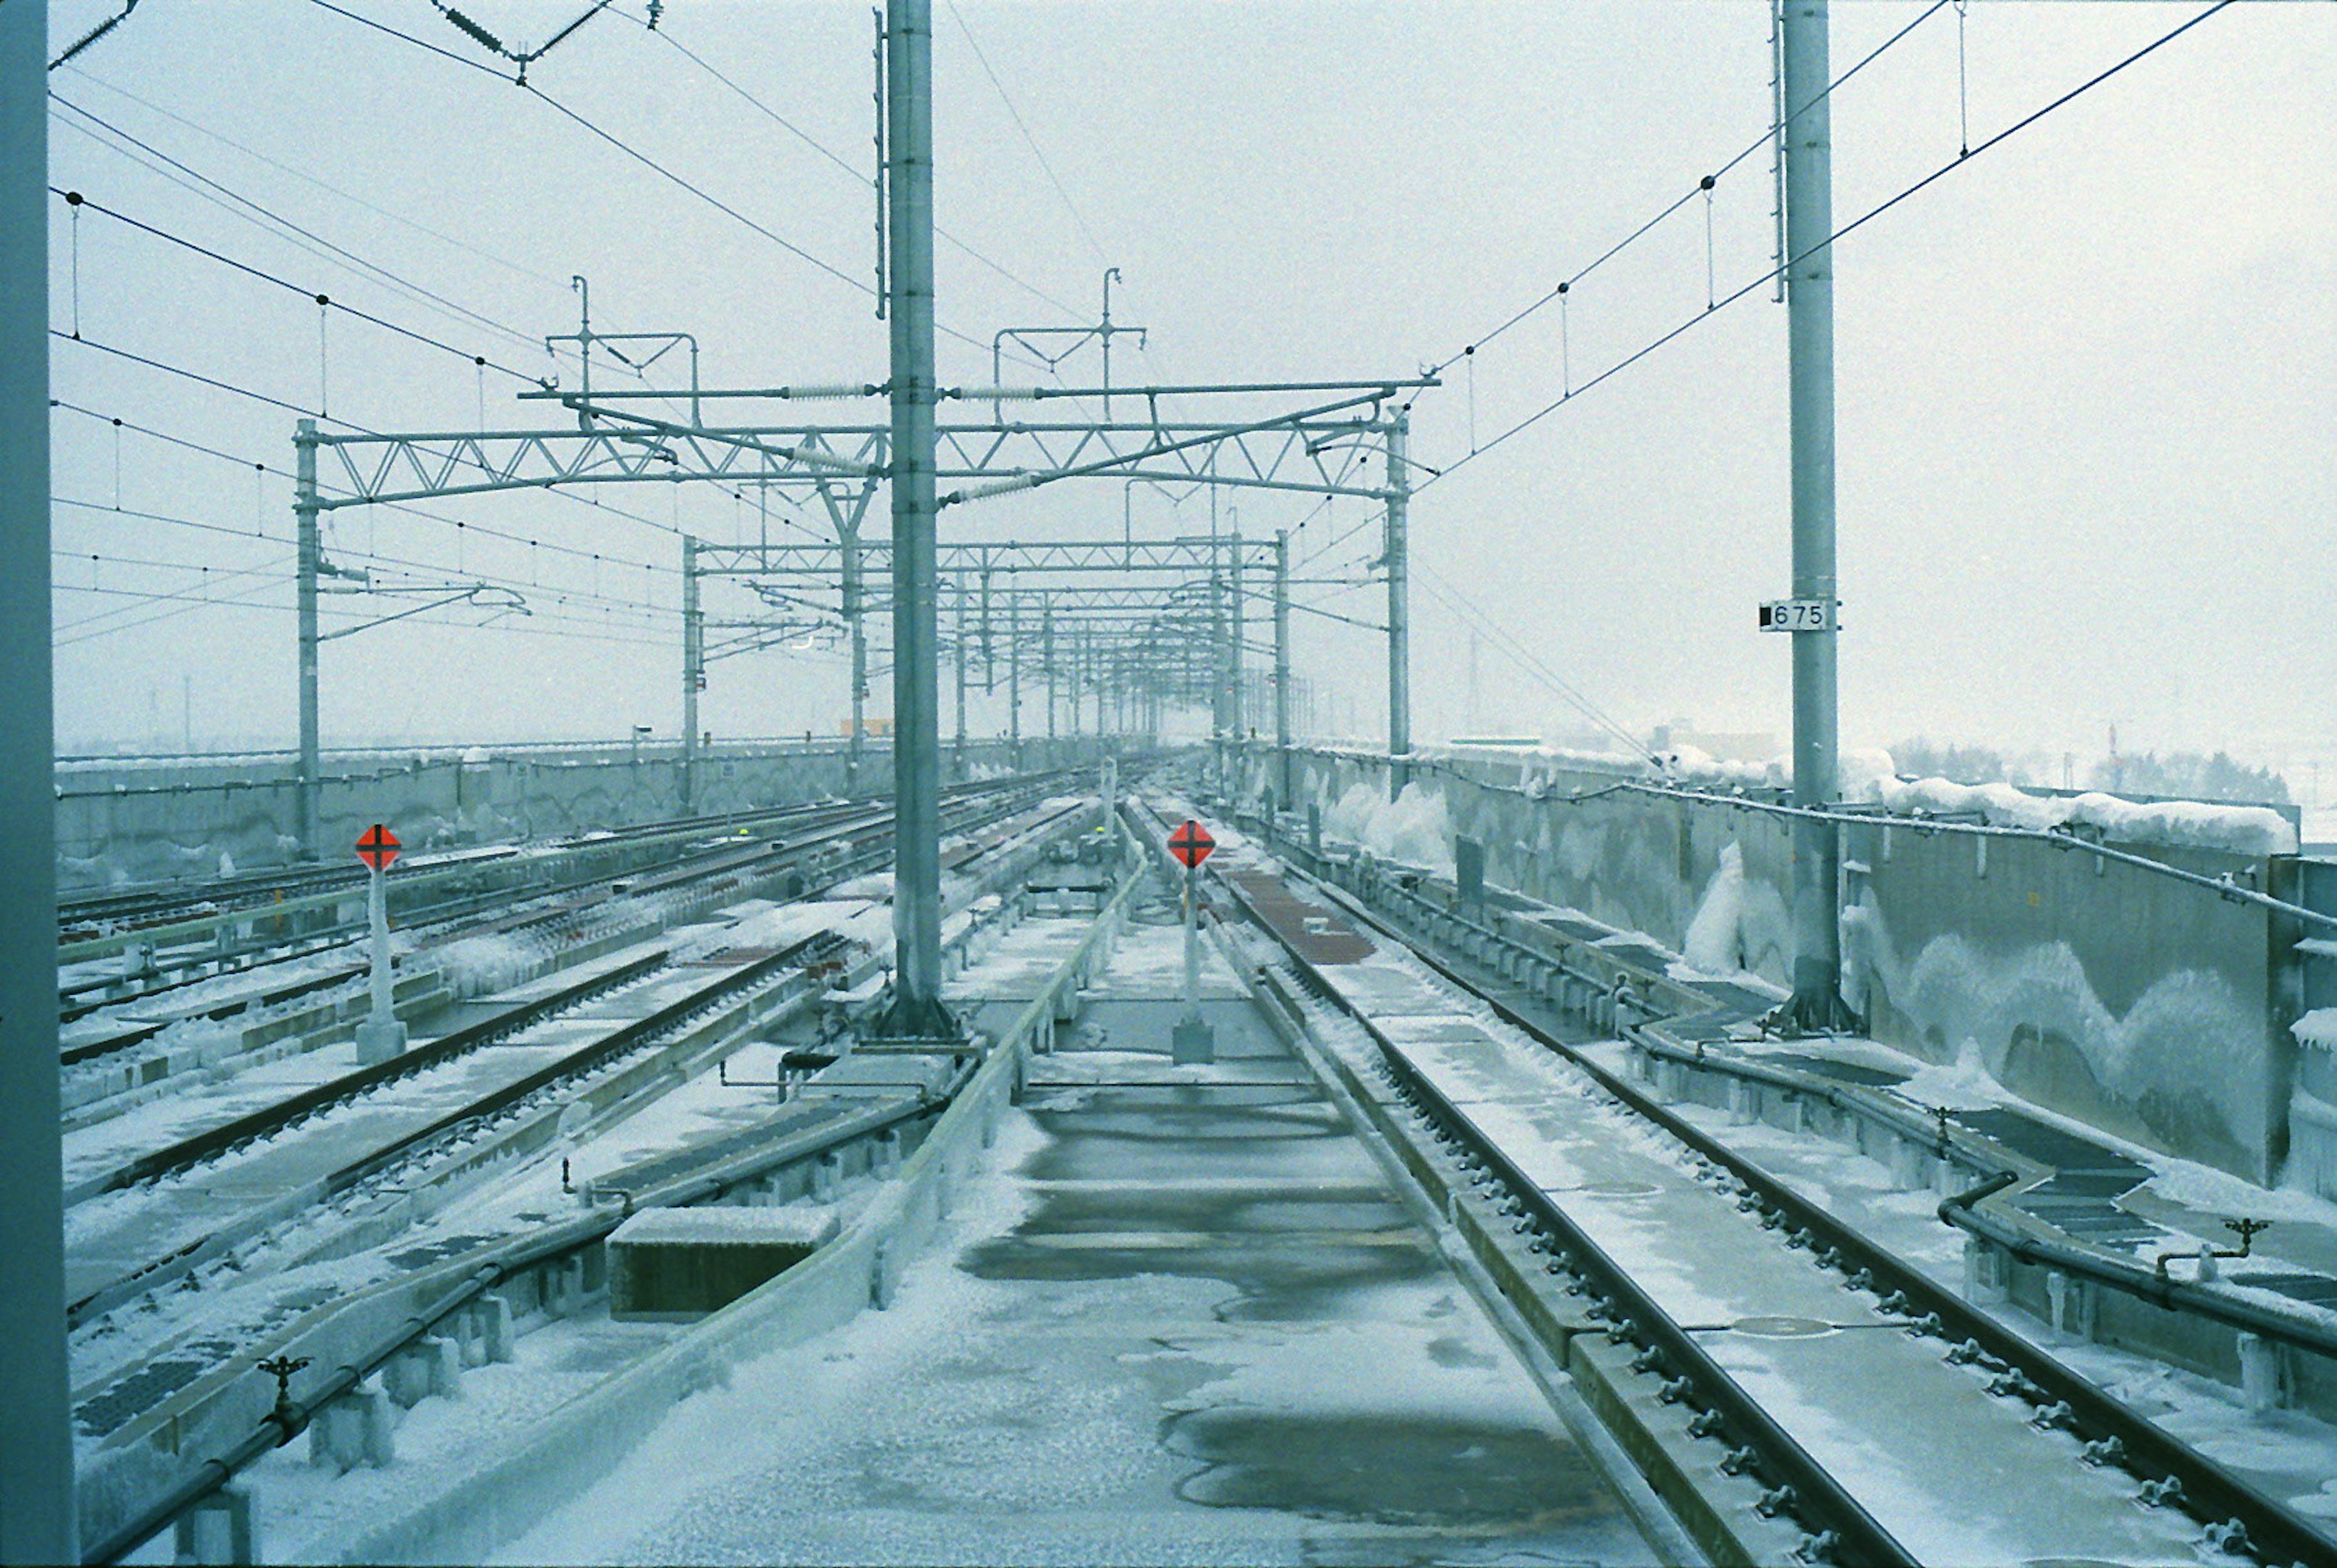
x=1415 y=827
x=2196 y=824
x=1715 y=942
x=483 y=965
x=2317 y=1028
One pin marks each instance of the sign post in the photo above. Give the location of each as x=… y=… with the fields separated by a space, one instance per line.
x=382 y=1036
x=1192 y=1040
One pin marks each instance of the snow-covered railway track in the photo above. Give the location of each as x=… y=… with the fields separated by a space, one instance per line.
x=324 y=1144
x=1890 y=1419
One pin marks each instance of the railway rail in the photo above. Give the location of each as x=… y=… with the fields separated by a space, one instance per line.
x=2231 y=1516
x=798 y=828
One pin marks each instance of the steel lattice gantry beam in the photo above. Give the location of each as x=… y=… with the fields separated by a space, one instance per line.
x=1282 y=452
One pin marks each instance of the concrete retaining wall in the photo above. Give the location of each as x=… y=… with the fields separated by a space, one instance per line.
x=146 y=819
x=2136 y=1002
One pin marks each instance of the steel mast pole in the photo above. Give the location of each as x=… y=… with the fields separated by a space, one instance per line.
x=693 y=671
x=1015 y=681
x=309 y=555
x=917 y=1009
x=1399 y=633
x=1047 y=658
x=1282 y=669
x=957 y=755
x=1237 y=753
x=1809 y=303
x=36 y=1462
x=855 y=748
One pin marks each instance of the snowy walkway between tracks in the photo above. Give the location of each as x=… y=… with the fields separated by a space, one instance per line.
x=1182 y=1317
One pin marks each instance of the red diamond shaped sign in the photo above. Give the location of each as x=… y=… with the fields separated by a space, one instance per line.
x=1191 y=844
x=377 y=846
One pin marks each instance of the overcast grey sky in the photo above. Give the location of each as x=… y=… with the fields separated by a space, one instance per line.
x=2088 y=381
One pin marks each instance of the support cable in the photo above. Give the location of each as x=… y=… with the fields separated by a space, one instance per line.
x=75 y=199
x=859 y=284
x=800 y=134
x=203 y=186
x=1476 y=619
x=262 y=397
x=520 y=269
x=1557 y=292
x=1855 y=224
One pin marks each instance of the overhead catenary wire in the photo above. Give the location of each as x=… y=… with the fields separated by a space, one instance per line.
x=516 y=267
x=1531 y=662
x=262 y=215
x=324 y=302
x=665 y=33
x=261 y=397
x=1872 y=213
x=1703 y=186
x=858 y=284
x=958 y=16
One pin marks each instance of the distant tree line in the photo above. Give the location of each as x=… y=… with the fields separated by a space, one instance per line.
x=2183 y=774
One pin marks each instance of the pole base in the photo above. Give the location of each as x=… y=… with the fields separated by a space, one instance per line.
x=379 y=1039
x=1193 y=1042
x=1814 y=1012
x=901 y=1022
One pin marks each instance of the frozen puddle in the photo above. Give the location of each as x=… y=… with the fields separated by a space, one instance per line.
x=1182 y=1319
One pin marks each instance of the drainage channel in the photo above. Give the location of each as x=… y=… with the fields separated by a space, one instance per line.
x=1185 y=1314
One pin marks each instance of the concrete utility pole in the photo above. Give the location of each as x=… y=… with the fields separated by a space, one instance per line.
x=1233 y=676
x=36 y=1464
x=310 y=559
x=915 y=1010
x=1282 y=794
x=1015 y=680
x=1399 y=634
x=1047 y=662
x=1809 y=302
x=693 y=671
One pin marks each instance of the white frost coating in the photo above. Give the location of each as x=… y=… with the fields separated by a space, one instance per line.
x=727 y=1224
x=2190 y=1030
x=1870 y=775
x=2196 y=824
x=487 y=963
x=1714 y=943
x=1415 y=827
x=2317 y=1028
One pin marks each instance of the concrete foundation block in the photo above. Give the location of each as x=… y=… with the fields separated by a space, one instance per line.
x=677 y=1265
x=356 y=1428
x=378 y=1040
x=1988 y=1273
x=2070 y=1303
x=826 y=1173
x=1743 y=1101
x=2259 y=1374
x=498 y=1342
x=427 y=1367
x=219 y=1529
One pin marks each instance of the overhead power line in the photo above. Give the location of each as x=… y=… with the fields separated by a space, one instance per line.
x=1028 y=140
x=840 y=162
x=1858 y=222
x=637 y=155
x=323 y=300
x=504 y=262
x=244 y=207
x=1461 y=605
x=1704 y=184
